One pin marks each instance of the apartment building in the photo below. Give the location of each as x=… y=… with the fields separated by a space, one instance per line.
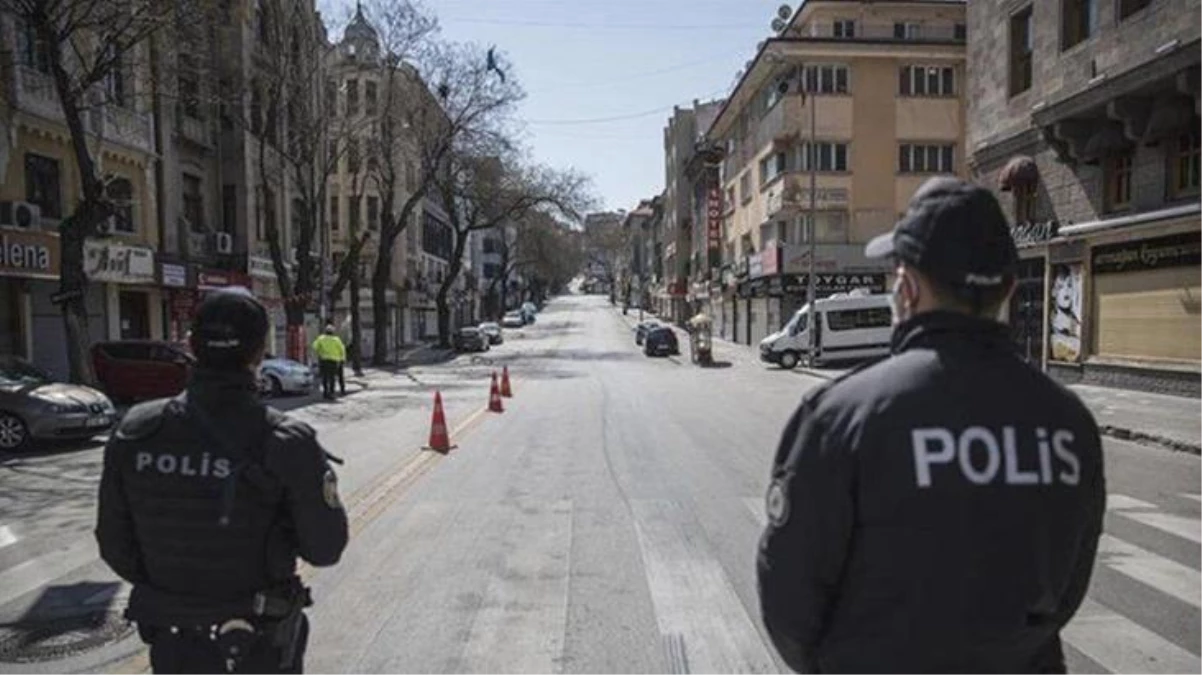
x=1083 y=115
x=41 y=186
x=677 y=233
x=878 y=89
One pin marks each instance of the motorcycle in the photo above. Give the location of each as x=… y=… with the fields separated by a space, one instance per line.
x=701 y=340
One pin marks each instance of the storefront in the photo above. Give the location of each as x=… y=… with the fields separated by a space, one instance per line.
x=265 y=286
x=178 y=281
x=29 y=262
x=132 y=297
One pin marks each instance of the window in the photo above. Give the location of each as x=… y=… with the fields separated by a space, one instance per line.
x=352 y=155
x=772 y=166
x=121 y=192
x=1129 y=7
x=373 y=213
x=115 y=86
x=229 y=209
x=332 y=97
x=832 y=79
x=1024 y=204
x=352 y=97
x=928 y=81
x=830 y=227
x=1116 y=172
x=906 y=30
x=1022 y=49
x=369 y=95
x=189 y=87
x=42 y=185
x=845 y=28
x=851 y=319
x=1184 y=170
x=745 y=187
x=1078 y=20
x=961 y=32
x=829 y=157
x=32 y=51
x=194 y=204
x=334 y=214
x=915 y=158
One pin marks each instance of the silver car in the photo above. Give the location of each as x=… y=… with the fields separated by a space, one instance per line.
x=284 y=376
x=33 y=407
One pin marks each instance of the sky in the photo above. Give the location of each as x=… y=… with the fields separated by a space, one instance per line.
x=583 y=64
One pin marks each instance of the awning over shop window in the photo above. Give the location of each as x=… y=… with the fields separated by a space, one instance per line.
x=1019 y=173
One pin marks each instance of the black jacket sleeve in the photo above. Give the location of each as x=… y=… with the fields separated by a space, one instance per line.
x=115 y=533
x=311 y=493
x=810 y=507
x=1094 y=482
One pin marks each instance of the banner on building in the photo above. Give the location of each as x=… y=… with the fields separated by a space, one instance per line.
x=1177 y=250
x=713 y=217
x=1064 y=313
x=118 y=263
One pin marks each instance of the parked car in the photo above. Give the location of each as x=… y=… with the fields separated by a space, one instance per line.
x=513 y=320
x=279 y=376
x=660 y=341
x=493 y=330
x=33 y=407
x=137 y=370
x=528 y=311
x=470 y=339
x=640 y=331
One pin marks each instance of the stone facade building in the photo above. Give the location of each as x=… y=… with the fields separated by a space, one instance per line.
x=1083 y=115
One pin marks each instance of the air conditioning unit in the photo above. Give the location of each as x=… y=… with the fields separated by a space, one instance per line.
x=20 y=214
x=223 y=243
x=106 y=227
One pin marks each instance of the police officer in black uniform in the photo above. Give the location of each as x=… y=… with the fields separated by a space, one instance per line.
x=938 y=511
x=207 y=500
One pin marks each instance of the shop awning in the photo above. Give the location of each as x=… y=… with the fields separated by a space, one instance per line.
x=1019 y=173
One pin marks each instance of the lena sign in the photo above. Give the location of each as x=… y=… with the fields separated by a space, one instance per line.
x=29 y=254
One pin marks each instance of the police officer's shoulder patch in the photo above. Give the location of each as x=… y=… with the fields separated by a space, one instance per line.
x=776 y=503
x=329 y=490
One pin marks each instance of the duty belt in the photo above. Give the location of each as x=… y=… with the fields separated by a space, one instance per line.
x=154 y=606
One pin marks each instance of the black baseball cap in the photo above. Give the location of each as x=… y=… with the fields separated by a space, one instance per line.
x=955 y=232
x=229 y=327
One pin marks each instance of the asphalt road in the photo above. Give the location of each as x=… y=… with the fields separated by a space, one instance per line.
x=605 y=522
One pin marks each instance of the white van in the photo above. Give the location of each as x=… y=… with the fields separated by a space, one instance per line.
x=855 y=325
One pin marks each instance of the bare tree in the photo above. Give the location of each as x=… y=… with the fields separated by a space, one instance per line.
x=446 y=97
x=91 y=51
x=484 y=191
x=538 y=246
x=606 y=243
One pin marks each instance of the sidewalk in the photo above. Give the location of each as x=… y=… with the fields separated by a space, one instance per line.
x=1167 y=421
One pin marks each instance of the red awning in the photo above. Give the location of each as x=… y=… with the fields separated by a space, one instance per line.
x=1019 y=172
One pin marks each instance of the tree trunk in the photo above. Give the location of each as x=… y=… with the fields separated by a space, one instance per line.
x=379 y=303
x=444 y=290
x=356 y=331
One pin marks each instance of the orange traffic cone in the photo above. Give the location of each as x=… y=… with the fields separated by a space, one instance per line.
x=494 y=396
x=440 y=440
x=505 y=390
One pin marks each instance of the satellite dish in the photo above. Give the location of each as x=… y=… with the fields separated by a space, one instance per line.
x=778 y=25
x=784 y=12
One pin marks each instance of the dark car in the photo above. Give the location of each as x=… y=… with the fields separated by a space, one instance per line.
x=139 y=370
x=493 y=330
x=641 y=330
x=471 y=339
x=660 y=341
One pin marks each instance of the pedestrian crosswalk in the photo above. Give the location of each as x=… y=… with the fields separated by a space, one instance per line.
x=1104 y=635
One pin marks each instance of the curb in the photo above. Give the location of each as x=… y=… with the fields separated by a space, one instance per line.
x=1144 y=438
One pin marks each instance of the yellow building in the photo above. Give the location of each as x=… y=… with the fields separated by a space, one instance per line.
x=40 y=185
x=878 y=89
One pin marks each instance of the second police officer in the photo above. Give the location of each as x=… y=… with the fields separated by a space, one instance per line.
x=938 y=511
x=206 y=502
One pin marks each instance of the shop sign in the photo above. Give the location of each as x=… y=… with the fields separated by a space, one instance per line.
x=713 y=217
x=1033 y=233
x=755 y=288
x=1064 y=315
x=829 y=259
x=118 y=263
x=755 y=265
x=173 y=275
x=25 y=253
x=208 y=280
x=770 y=259
x=827 y=284
x=1177 y=250
x=260 y=267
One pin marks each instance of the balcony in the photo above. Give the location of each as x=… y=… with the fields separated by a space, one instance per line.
x=194 y=130
x=899 y=31
x=35 y=94
x=791 y=196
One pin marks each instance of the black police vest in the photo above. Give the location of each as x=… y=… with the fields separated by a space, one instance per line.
x=209 y=521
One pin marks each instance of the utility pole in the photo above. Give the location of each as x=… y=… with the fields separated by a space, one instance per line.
x=811 y=229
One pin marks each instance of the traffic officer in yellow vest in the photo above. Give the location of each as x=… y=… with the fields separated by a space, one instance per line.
x=330 y=354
